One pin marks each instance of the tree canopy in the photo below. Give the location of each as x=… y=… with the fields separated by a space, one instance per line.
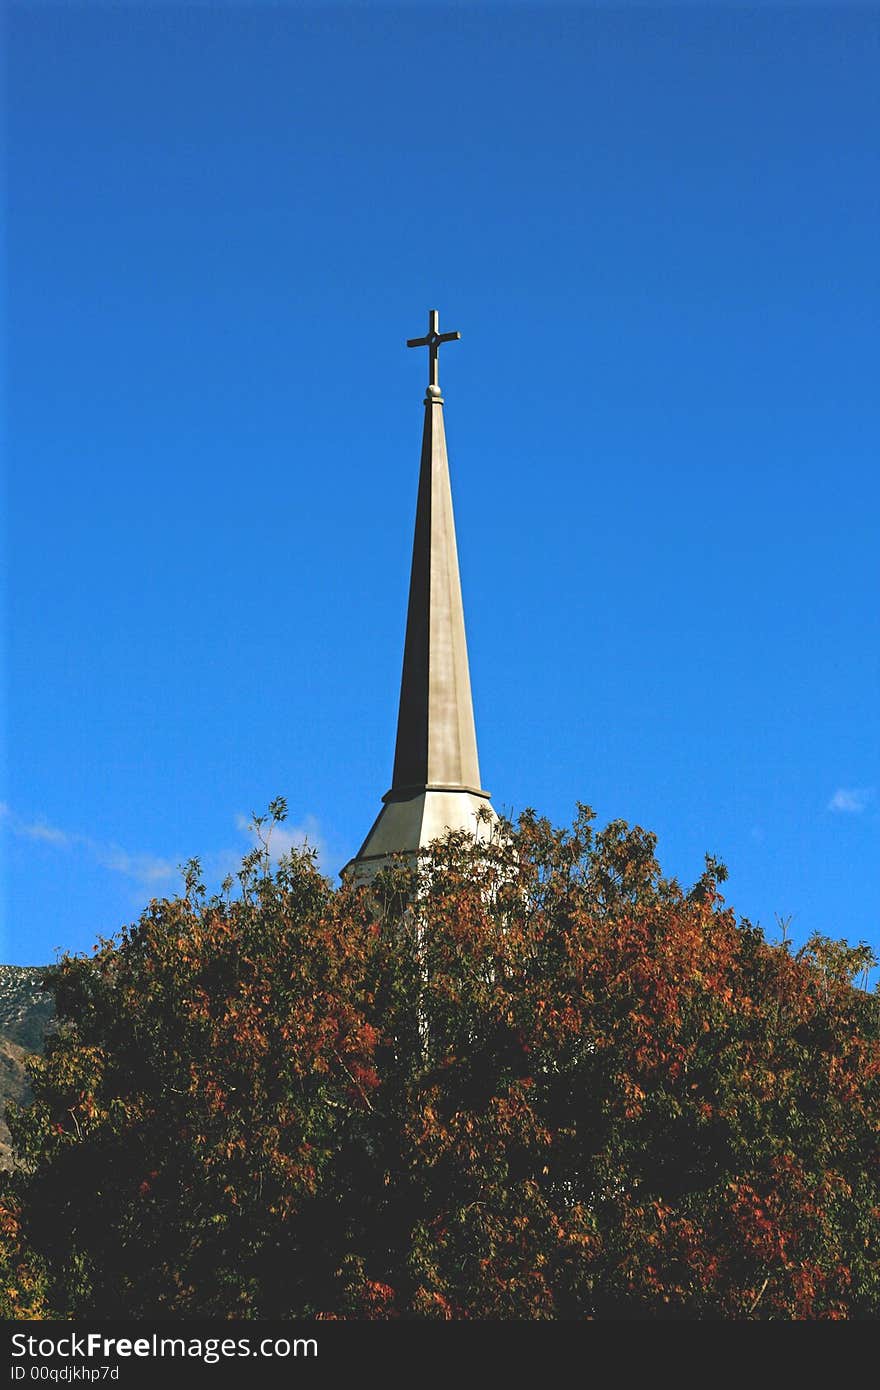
x=530 y=1079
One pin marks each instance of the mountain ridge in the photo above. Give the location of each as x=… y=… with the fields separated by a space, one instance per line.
x=26 y=1012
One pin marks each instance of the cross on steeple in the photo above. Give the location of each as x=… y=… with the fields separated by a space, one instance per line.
x=432 y=342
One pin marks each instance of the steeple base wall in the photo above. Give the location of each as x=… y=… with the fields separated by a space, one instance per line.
x=407 y=825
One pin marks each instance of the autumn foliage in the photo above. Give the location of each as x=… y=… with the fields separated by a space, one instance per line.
x=530 y=1080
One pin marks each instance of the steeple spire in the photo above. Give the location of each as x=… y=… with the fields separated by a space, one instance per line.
x=436 y=780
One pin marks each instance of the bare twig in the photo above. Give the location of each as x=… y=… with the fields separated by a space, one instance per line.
x=759 y=1295
x=363 y=1095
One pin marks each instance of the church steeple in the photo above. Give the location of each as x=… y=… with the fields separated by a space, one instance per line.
x=436 y=738
x=436 y=781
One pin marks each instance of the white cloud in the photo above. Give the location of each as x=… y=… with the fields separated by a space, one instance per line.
x=285 y=837
x=145 y=869
x=149 y=871
x=40 y=831
x=222 y=863
x=851 y=800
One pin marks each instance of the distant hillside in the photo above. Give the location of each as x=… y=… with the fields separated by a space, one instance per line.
x=25 y=1014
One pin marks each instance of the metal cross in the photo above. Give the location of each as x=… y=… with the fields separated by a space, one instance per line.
x=432 y=343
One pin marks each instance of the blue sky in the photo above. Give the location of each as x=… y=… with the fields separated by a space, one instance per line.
x=657 y=231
